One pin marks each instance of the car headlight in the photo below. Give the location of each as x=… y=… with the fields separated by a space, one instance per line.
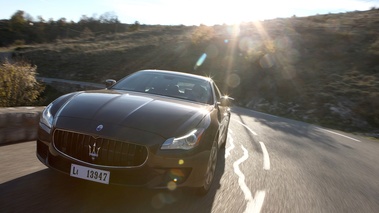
x=47 y=118
x=186 y=142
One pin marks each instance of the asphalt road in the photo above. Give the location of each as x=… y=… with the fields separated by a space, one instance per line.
x=270 y=164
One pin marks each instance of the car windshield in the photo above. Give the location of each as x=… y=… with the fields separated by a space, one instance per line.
x=167 y=84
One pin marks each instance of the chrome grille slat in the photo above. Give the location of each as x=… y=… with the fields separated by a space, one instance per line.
x=124 y=150
x=118 y=151
x=112 y=153
x=129 y=154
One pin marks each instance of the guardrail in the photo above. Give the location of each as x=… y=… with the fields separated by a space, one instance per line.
x=67 y=86
x=19 y=124
x=80 y=83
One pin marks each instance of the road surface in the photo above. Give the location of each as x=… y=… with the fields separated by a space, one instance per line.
x=270 y=164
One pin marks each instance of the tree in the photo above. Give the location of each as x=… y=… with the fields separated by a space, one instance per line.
x=109 y=18
x=18 y=85
x=18 y=21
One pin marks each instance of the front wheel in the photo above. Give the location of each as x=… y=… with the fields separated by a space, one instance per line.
x=210 y=173
x=225 y=136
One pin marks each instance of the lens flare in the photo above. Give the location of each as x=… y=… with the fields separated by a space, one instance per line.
x=200 y=61
x=171 y=186
x=283 y=43
x=233 y=80
x=267 y=61
x=176 y=173
x=181 y=162
x=212 y=51
x=234 y=30
x=158 y=201
x=246 y=44
x=293 y=56
x=161 y=199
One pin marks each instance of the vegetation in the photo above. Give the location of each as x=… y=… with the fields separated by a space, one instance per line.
x=18 y=85
x=23 y=28
x=322 y=69
x=202 y=34
x=135 y=26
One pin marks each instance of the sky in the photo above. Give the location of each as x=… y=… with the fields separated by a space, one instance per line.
x=186 y=12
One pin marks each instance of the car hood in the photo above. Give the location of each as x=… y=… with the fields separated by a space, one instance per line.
x=167 y=117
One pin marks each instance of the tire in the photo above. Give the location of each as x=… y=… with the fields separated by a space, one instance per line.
x=210 y=173
x=223 y=145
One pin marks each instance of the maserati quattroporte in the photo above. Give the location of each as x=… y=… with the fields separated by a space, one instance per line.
x=153 y=128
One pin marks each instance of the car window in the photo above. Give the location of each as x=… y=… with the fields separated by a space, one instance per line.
x=133 y=83
x=171 y=85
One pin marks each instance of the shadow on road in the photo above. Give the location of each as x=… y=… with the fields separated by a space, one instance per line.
x=290 y=127
x=50 y=191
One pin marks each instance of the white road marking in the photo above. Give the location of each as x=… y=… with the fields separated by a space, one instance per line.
x=241 y=178
x=230 y=141
x=266 y=158
x=256 y=205
x=255 y=134
x=336 y=133
x=252 y=205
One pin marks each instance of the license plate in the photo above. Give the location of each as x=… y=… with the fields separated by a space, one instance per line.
x=91 y=174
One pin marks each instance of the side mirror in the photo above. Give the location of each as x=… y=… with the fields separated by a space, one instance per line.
x=225 y=101
x=109 y=83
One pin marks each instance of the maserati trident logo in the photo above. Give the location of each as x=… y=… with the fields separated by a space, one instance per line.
x=93 y=151
x=99 y=128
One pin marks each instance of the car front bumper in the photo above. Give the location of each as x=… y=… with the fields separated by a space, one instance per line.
x=163 y=168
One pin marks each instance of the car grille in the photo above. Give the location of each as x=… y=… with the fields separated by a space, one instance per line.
x=99 y=151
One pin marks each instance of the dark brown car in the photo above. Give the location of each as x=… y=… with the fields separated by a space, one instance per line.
x=158 y=129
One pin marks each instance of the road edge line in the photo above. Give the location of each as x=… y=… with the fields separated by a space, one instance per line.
x=266 y=157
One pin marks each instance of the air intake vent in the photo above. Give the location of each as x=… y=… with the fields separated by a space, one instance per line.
x=99 y=151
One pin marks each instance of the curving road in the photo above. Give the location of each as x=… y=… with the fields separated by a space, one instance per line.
x=270 y=164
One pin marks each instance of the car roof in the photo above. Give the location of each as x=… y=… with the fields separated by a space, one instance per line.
x=177 y=73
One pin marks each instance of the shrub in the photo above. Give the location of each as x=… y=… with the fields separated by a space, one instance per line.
x=134 y=27
x=18 y=43
x=369 y=109
x=18 y=85
x=374 y=48
x=202 y=34
x=86 y=33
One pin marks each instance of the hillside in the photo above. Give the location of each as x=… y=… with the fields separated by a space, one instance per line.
x=321 y=69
